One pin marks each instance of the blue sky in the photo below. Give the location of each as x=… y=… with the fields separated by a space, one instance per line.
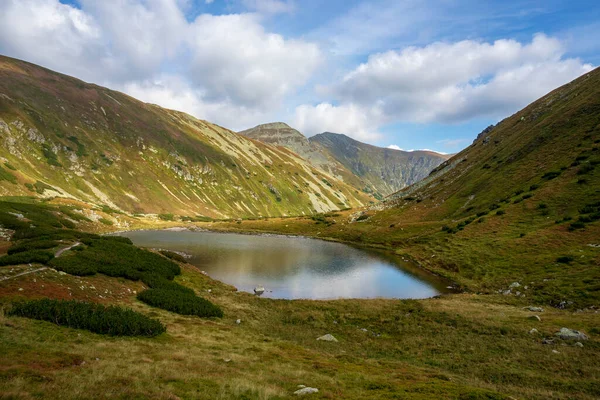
x=411 y=74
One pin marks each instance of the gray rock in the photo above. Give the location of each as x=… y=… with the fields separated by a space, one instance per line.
x=535 y=317
x=327 y=338
x=305 y=391
x=238 y=321
x=515 y=285
x=579 y=344
x=571 y=334
x=556 y=351
x=533 y=331
x=259 y=290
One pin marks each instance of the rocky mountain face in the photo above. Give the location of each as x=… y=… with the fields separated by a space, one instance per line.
x=62 y=137
x=368 y=168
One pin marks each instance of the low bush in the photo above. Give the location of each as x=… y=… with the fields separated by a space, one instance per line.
x=585 y=169
x=551 y=175
x=105 y=221
x=166 y=217
x=96 y=318
x=173 y=256
x=32 y=256
x=32 y=245
x=565 y=259
x=180 y=302
x=500 y=212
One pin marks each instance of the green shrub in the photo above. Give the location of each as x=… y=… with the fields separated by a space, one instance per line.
x=551 y=175
x=9 y=166
x=32 y=256
x=180 y=302
x=173 y=256
x=7 y=176
x=166 y=217
x=565 y=259
x=32 y=245
x=51 y=157
x=534 y=187
x=585 y=169
x=500 y=212
x=96 y=318
x=105 y=221
x=576 y=225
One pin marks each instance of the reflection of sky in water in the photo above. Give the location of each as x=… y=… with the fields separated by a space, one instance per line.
x=291 y=267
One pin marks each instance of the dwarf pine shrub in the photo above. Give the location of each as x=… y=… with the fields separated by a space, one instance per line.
x=111 y=320
x=180 y=302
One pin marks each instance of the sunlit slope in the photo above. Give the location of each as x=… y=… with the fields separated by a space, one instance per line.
x=63 y=137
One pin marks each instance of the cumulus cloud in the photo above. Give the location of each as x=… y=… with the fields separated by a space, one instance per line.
x=228 y=67
x=234 y=58
x=357 y=122
x=455 y=82
x=444 y=83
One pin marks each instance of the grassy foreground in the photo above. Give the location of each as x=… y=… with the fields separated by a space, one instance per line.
x=462 y=346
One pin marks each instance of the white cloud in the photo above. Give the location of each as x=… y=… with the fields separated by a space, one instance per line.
x=352 y=120
x=455 y=82
x=225 y=68
x=394 y=147
x=235 y=59
x=441 y=83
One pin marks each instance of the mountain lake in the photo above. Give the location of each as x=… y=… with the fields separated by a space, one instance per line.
x=295 y=267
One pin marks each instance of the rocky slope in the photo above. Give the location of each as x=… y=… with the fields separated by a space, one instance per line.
x=385 y=170
x=368 y=168
x=64 y=137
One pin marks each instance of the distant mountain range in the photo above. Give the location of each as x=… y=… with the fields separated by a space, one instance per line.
x=372 y=169
x=64 y=137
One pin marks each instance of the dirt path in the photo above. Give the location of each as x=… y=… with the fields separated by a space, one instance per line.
x=59 y=252
x=22 y=273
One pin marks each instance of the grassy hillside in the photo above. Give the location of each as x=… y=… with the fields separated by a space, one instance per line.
x=63 y=137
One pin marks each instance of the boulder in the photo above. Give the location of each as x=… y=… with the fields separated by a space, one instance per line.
x=327 y=338
x=259 y=290
x=305 y=391
x=571 y=334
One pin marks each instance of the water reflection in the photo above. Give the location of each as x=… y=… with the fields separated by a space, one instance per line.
x=293 y=267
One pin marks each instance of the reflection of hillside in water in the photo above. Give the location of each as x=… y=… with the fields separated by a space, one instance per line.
x=291 y=267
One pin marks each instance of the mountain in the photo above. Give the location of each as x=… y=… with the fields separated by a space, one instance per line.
x=369 y=168
x=64 y=137
x=386 y=170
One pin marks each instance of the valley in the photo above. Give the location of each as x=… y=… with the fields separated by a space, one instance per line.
x=512 y=221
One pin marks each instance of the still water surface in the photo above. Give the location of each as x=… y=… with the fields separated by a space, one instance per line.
x=295 y=267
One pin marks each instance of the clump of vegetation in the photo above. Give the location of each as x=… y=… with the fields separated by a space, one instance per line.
x=32 y=245
x=105 y=221
x=551 y=175
x=565 y=259
x=173 y=256
x=51 y=156
x=166 y=217
x=585 y=169
x=7 y=176
x=26 y=257
x=500 y=212
x=9 y=166
x=96 y=318
x=41 y=186
x=534 y=187
x=180 y=302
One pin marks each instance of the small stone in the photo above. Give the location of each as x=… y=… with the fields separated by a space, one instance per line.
x=579 y=344
x=227 y=360
x=238 y=321
x=535 y=318
x=209 y=290
x=306 y=390
x=20 y=289
x=571 y=334
x=556 y=351
x=515 y=285
x=547 y=341
x=533 y=331
x=327 y=338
